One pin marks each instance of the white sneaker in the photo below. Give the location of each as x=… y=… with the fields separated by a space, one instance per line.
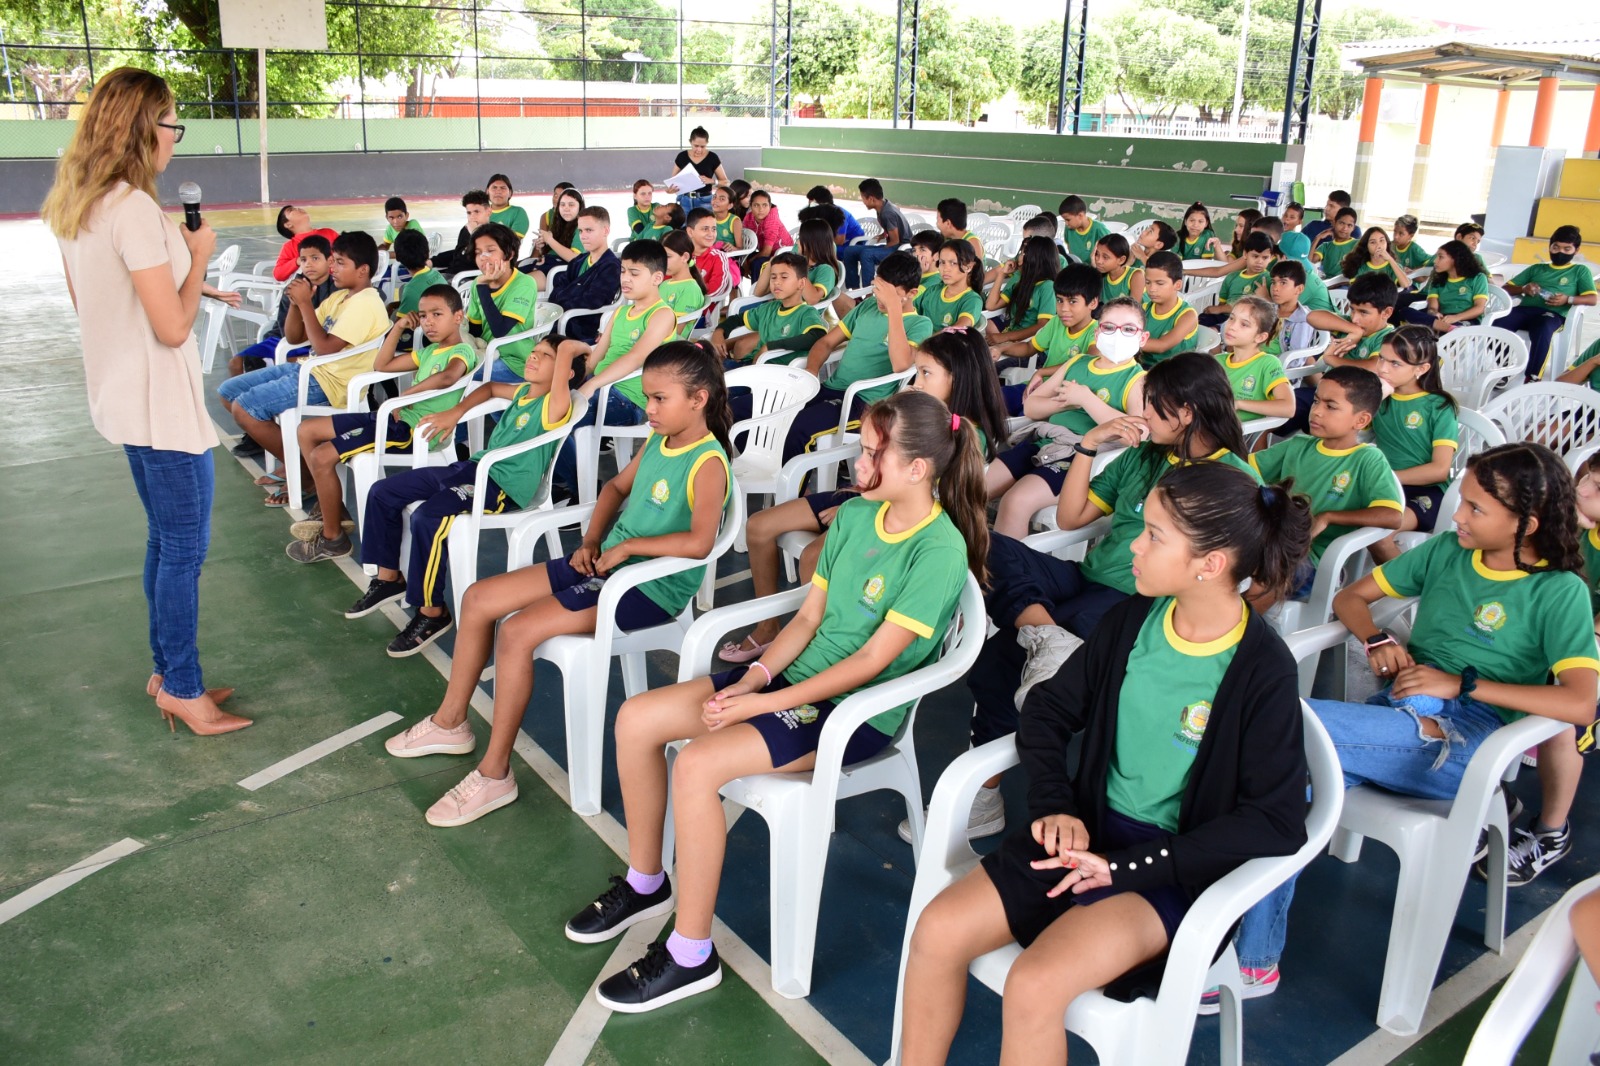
x=1047 y=647
x=988 y=816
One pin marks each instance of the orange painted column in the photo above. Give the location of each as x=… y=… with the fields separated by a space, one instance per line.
x=1591 y=139
x=1497 y=136
x=1371 y=97
x=1544 y=109
x=1419 y=167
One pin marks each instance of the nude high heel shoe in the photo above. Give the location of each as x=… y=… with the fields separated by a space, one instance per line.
x=201 y=715
x=218 y=695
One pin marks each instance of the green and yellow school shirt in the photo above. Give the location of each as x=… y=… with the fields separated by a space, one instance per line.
x=1590 y=544
x=430 y=361
x=1574 y=279
x=641 y=218
x=1515 y=627
x=1113 y=288
x=661 y=503
x=683 y=296
x=516 y=300
x=1455 y=295
x=941 y=308
x=867 y=354
x=823 y=278
x=1588 y=354
x=793 y=328
x=1367 y=347
x=626 y=328
x=1402 y=281
x=725 y=231
x=1333 y=253
x=930 y=280
x=1253 y=379
x=390 y=233
x=1158 y=325
x=1334 y=479
x=1199 y=248
x=1119 y=491
x=1112 y=386
x=528 y=416
x=513 y=218
x=419 y=283
x=1041 y=305
x=1315 y=294
x=872 y=577
x=1081 y=242
x=1412 y=257
x=1162 y=713
x=1240 y=283
x=1058 y=343
x=1409 y=428
x=652 y=232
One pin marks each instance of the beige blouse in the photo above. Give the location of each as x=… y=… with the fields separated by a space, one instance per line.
x=141 y=392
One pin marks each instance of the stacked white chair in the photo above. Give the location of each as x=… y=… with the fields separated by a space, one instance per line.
x=1476 y=362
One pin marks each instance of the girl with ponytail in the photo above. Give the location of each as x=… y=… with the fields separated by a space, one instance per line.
x=884 y=594
x=675 y=487
x=1502 y=631
x=1187 y=683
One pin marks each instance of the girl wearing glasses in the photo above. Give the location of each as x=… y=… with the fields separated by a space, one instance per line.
x=144 y=276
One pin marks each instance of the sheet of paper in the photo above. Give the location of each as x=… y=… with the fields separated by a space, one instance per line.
x=686 y=180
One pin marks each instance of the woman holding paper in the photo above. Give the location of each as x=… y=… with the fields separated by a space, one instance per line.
x=705 y=163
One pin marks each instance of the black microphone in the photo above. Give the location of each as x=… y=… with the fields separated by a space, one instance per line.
x=189 y=196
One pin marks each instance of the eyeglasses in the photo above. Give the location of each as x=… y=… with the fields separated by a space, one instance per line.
x=1126 y=331
x=177 y=129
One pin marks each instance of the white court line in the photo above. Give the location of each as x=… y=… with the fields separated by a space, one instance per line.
x=37 y=894
x=1449 y=999
x=731 y=579
x=804 y=1019
x=583 y=1028
x=319 y=750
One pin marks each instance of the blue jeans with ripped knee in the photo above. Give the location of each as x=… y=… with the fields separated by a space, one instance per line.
x=1380 y=743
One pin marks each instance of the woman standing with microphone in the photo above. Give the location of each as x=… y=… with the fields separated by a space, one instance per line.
x=135 y=279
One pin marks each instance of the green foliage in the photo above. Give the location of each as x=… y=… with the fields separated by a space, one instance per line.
x=1167 y=59
x=954 y=79
x=1038 y=82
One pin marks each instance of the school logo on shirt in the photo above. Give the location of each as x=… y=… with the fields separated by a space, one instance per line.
x=1341 y=483
x=1250 y=383
x=1414 y=420
x=785 y=332
x=945 y=321
x=1104 y=395
x=659 y=492
x=872 y=592
x=1461 y=290
x=522 y=420
x=1489 y=616
x=1192 y=723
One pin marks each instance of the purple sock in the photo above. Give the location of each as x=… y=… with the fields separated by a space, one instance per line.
x=644 y=884
x=688 y=953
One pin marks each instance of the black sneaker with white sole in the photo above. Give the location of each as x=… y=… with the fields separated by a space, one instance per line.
x=379 y=592
x=1535 y=850
x=1513 y=812
x=617 y=908
x=657 y=980
x=421 y=632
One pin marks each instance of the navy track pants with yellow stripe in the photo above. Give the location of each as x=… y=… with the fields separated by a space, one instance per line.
x=442 y=493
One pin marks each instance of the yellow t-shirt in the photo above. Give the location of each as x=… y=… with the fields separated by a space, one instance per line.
x=354 y=319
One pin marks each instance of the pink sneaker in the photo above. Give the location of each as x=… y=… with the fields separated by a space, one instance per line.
x=475 y=797
x=1256 y=983
x=428 y=737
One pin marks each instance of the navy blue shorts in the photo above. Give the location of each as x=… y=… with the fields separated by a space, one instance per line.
x=354 y=434
x=1423 y=501
x=579 y=592
x=1020 y=461
x=821 y=501
x=795 y=733
x=1305 y=577
x=1022 y=889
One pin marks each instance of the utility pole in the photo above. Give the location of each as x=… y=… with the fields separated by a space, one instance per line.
x=1238 y=78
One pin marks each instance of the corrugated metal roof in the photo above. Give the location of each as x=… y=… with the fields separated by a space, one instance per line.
x=1485 y=57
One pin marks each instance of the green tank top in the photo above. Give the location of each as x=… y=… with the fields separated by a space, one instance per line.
x=1158 y=326
x=662 y=502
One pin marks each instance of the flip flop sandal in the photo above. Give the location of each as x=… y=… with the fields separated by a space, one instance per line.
x=280 y=498
x=266 y=481
x=741 y=652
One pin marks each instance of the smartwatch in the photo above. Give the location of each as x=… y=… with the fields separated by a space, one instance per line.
x=1079 y=449
x=1379 y=639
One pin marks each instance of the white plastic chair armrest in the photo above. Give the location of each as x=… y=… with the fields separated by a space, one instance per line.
x=746 y=301
x=951 y=805
x=495 y=344
x=582 y=312
x=307 y=365
x=858 y=387
x=1054 y=541
x=387 y=409
x=700 y=642
x=1330 y=568
x=365 y=380
x=480 y=483
x=796 y=469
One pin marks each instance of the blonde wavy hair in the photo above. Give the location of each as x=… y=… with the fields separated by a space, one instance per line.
x=115 y=141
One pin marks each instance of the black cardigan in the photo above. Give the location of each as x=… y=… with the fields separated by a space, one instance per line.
x=1246 y=796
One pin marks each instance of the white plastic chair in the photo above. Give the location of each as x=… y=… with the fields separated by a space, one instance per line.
x=222 y=264
x=464 y=282
x=1435 y=841
x=1499 y=303
x=1340 y=299
x=368 y=468
x=748 y=242
x=1145 y=1032
x=1477 y=361
x=1551 y=956
x=993 y=236
x=1021 y=216
x=871 y=232
x=1475 y=434
x=466 y=531
x=1301 y=363
x=1562 y=417
x=1136 y=228
x=585 y=661
x=844 y=434
x=921 y=225
x=976 y=219
x=824 y=465
x=778 y=393
x=1206 y=339
x=799 y=807
x=355 y=403
x=1114 y=227
x=1567 y=342
x=586 y=441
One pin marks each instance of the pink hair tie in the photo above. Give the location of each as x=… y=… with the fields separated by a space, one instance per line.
x=955 y=423
x=954 y=329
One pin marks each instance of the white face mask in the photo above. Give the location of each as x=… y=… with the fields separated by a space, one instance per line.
x=1117 y=347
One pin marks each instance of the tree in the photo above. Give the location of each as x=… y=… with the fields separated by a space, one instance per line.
x=1039 y=80
x=995 y=40
x=1166 y=60
x=953 y=81
x=59 y=69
